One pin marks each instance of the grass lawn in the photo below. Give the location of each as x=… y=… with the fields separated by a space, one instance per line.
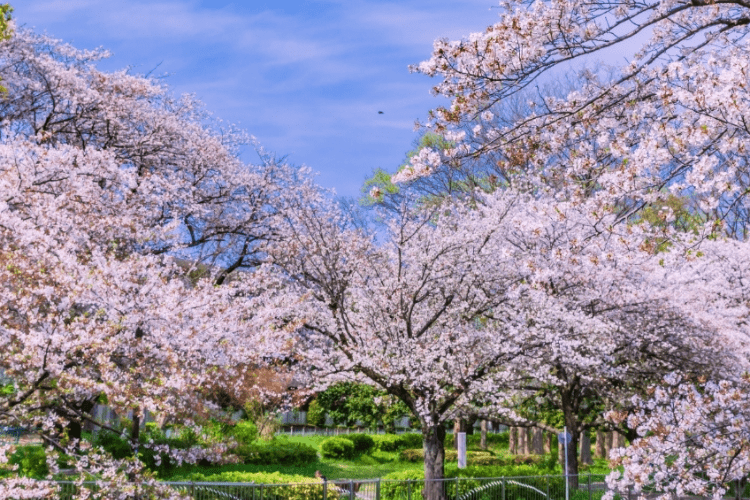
x=374 y=465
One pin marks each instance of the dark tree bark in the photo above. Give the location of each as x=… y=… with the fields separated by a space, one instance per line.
x=433 y=439
x=483 y=439
x=601 y=451
x=513 y=441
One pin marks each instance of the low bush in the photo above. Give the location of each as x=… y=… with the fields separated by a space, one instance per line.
x=302 y=487
x=396 y=486
x=485 y=457
x=161 y=463
x=397 y=442
x=278 y=451
x=113 y=444
x=245 y=432
x=362 y=442
x=337 y=447
x=31 y=461
x=495 y=440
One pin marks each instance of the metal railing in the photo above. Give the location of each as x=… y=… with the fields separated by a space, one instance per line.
x=589 y=487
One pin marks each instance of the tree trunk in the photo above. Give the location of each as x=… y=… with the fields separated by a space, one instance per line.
x=548 y=442
x=513 y=441
x=523 y=441
x=483 y=439
x=469 y=430
x=573 y=461
x=135 y=431
x=608 y=443
x=537 y=442
x=601 y=452
x=586 y=448
x=618 y=440
x=433 y=440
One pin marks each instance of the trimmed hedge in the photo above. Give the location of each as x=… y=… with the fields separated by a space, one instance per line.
x=304 y=488
x=362 y=442
x=397 y=442
x=277 y=452
x=337 y=447
x=417 y=455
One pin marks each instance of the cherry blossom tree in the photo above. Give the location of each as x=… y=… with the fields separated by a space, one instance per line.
x=105 y=179
x=671 y=118
x=420 y=315
x=691 y=430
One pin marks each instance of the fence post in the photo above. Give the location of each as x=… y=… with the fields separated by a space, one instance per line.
x=589 y=485
x=547 y=487
x=503 y=495
x=408 y=489
x=192 y=489
x=261 y=492
x=457 y=478
x=325 y=490
x=377 y=490
x=351 y=490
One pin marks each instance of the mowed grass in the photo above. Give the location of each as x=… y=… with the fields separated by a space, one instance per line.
x=374 y=465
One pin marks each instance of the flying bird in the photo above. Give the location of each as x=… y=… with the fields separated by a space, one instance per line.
x=380 y=112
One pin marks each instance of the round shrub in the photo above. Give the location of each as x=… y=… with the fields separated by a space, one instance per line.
x=337 y=447
x=362 y=442
x=245 y=432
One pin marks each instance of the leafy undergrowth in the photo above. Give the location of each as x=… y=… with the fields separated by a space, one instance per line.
x=364 y=467
x=375 y=464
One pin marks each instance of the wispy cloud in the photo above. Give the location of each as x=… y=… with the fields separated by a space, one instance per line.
x=307 y=77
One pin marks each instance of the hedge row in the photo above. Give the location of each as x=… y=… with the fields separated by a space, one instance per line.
x=397 y=442
x=478 y=458
x=301 y=487
x=417 y=455
x=277 y=452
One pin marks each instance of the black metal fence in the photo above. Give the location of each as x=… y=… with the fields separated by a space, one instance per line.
x=589 y=487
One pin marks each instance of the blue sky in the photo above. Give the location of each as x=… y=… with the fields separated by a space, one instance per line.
x=307 y=78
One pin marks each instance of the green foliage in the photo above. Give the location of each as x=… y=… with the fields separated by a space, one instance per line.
x=348 y=402
x=278 y=451
x=397 y=442
x=245 y=432
x=472 y=457
x=337 y=447
x=113 y=444
x=397 y=486
x=119 y=447
x=363 y=443
x=315 y=414
x=499 y=439
x=402 y=484
x=31 y=461
x=305 y=488
x=7 y=390
x=382 y=181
